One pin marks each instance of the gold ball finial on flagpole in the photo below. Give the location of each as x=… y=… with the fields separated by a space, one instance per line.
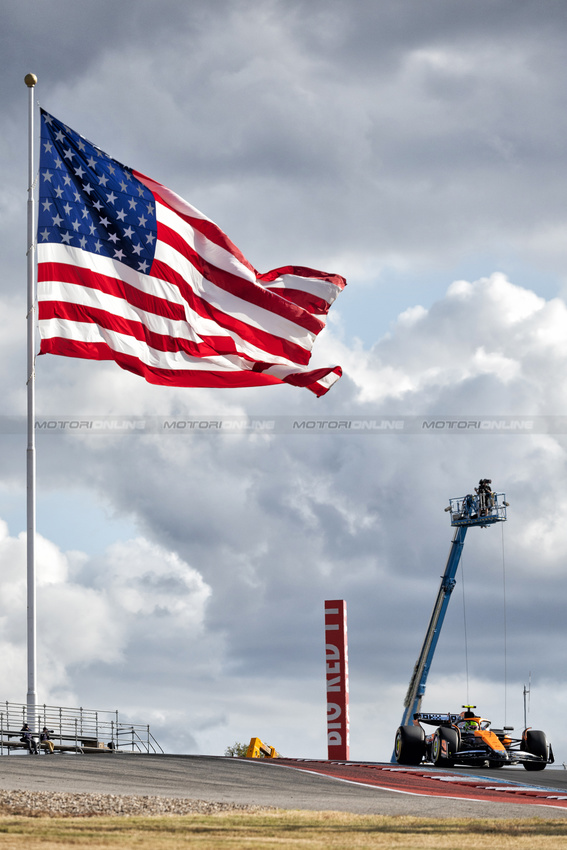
x=30 y=80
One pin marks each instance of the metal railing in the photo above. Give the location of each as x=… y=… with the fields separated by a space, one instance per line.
x=481 y=509
x=79 y=728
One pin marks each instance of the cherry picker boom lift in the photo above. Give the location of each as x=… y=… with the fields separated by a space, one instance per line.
x=483 y=509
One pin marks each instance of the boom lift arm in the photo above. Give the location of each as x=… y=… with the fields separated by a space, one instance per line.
x=484 y=509
x=416 y=690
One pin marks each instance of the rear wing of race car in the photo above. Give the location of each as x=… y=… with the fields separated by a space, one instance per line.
x=435 y=719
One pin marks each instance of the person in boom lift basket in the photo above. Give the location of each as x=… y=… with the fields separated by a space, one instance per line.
x=484 y=492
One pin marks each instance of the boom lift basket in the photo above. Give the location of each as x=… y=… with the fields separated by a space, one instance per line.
x=482 y=509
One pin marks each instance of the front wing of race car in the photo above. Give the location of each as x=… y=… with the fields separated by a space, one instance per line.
x=511 y=754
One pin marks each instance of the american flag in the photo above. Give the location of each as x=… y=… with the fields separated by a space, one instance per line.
x=129 y=271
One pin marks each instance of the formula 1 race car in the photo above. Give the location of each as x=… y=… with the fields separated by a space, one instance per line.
x=466 y=738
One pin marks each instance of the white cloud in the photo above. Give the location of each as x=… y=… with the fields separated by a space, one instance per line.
x=144 y=579
x=90 y=612
x=490 y=327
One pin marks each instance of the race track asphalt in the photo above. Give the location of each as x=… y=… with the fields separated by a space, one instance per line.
x=262 y=782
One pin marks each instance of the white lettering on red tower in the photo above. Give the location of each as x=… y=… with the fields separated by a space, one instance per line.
x=336 y=665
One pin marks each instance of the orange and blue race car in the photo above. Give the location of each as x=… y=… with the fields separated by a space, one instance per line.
x=467 y=739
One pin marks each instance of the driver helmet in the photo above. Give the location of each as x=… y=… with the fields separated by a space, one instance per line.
x=470 y=725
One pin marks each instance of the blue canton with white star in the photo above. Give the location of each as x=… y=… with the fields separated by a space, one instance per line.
x=89 y=200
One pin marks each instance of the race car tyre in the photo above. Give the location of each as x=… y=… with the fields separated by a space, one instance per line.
x=535 y=742
x=451 y=738
x=409 y=747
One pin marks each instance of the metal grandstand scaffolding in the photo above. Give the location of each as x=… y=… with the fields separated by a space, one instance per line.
x=76 y=729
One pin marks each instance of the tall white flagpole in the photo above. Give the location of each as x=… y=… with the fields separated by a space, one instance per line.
x=30 y=81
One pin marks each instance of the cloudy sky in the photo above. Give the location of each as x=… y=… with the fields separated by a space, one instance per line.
x=417 y=149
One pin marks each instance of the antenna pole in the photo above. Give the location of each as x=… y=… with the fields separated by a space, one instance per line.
x=526 y=694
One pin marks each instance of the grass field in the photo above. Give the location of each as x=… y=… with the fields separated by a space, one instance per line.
x=311 y=830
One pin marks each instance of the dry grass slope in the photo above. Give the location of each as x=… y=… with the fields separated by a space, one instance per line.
x=277 y=829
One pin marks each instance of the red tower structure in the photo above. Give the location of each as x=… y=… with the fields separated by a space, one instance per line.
x=336 y=666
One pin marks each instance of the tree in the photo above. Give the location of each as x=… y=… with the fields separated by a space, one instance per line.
x=237 y=750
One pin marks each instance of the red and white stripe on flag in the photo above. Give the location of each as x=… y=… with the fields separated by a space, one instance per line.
x=129 y=271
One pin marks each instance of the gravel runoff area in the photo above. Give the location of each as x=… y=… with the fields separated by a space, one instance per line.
x=67 y=804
